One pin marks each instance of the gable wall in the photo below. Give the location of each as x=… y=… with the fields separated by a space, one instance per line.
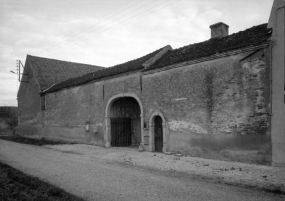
x=215 y=109
x=30 y=121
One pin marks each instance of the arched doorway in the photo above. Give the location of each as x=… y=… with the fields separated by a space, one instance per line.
x=124 y=121
x=157 y=132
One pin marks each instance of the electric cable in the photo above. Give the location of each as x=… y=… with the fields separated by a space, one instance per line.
x=88 y=27
x=112 y=28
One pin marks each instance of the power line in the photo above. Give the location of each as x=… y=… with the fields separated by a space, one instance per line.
x=80 y=31
x=89 y=27
x=120 y=24
x=70 y=44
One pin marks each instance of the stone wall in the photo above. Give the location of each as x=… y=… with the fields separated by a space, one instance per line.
x=277 y=23
x=71 y=108
x=30 y=117
x=214 y=109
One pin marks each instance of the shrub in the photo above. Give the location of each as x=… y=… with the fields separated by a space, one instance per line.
x=12 y=120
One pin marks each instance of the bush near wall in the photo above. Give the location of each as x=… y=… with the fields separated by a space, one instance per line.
x=8 y=118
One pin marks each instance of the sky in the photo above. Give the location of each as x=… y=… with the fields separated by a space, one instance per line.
x=110 y=32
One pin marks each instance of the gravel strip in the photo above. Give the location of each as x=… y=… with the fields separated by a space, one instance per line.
x=267 y=178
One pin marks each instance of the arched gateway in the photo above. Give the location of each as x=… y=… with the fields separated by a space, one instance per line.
x=124 y=121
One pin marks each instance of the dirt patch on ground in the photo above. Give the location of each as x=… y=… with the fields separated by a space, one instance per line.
x=267 y=178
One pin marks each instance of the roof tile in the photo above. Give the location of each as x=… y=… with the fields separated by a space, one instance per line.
x=52 y=71
x=256 y=35
x=132 y=65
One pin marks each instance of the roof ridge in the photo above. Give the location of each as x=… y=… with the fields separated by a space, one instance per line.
x=217 y=38
x=157 y=56
x=254 y=35
x=52 y=71
x=31 y=56
x=132 y=65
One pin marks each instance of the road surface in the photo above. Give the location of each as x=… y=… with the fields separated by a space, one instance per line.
x=96 y=179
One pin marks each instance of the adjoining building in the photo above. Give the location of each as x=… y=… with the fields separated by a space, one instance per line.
x=222 y=98
x=40 y=74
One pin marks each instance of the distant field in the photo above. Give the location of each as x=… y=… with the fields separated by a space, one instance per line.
x=15 y=185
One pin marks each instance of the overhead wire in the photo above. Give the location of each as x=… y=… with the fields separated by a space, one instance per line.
x=70 y=44
x=120 y=24
x=85 y=28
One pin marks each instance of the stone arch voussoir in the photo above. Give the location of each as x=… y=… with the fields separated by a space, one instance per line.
x=107 y=134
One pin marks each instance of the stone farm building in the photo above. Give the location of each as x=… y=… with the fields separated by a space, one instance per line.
x=222 y=98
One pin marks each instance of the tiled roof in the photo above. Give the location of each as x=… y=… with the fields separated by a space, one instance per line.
x=256 y=35
x=132 y=65
x=51 y=71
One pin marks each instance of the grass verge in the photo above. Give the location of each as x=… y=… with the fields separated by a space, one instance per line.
x=25 y=140
x=16 y=185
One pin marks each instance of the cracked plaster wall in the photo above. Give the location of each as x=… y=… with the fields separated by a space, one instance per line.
x=216 y=109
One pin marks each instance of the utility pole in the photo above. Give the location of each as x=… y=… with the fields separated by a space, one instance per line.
x=19 y=64
x=18 y=71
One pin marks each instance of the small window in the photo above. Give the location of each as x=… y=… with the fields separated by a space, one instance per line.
x=43 y=102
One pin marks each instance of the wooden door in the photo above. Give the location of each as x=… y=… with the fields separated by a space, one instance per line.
x=121 y=132
x=136 y=131
x=158 y=134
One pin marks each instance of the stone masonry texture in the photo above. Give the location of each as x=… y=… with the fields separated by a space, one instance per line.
x=215 y=109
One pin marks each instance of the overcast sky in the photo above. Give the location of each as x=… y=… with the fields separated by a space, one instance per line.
x=109 y=32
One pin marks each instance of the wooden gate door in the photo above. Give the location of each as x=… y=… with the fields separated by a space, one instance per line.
x=158 y=135
x=136 y=131
x=121 y=132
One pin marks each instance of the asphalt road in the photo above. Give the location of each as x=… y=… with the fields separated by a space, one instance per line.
x=96 y=179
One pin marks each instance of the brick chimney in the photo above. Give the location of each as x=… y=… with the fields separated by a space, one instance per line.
x=219 y=29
